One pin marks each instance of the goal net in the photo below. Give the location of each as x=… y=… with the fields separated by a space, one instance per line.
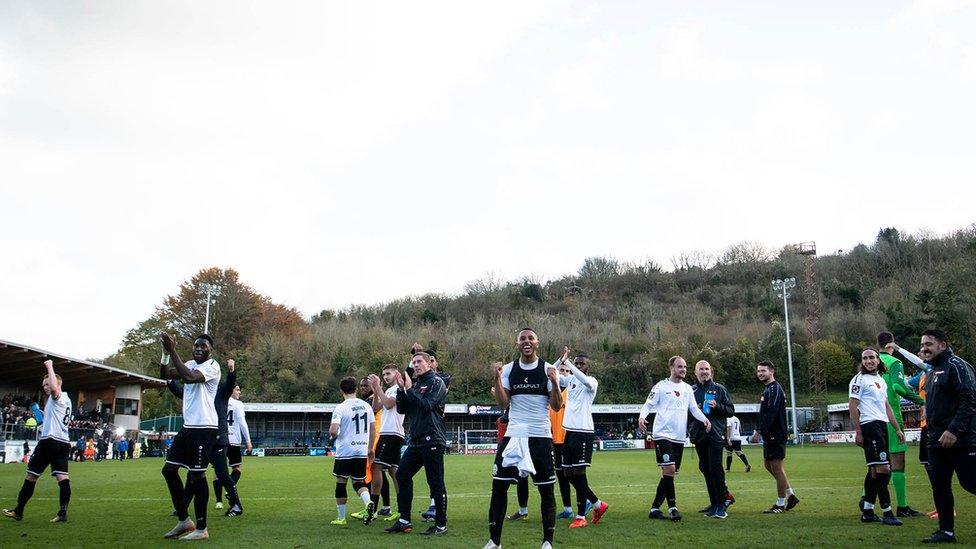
x=480 y=442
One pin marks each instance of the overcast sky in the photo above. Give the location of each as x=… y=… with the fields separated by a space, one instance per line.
x=342 y=153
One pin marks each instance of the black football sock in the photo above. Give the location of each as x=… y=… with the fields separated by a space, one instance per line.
x=235 y=475
x=64 y=496
x=564 y=489
x=385 y=491
x=662 y=492
x=881 y=485
x=728 y=461
x=669 y=486
x=175 y=485
x=496 y=510
x=548 y=508
x=579 y=482
x=744 y=460
x=187 y=493
x=218 y=493
x=870 y=490
x=201 y=497
x=522 y=492
x=26 y=491
x=375 y=498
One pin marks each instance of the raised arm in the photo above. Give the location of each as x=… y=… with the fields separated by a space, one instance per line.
x=225 y=389
x=500 y=393
x=587 y=382
x=555 y=394
x=184 y=373
x=52 y=379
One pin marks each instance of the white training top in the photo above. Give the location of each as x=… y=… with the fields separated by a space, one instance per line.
x=579 y=400
x=391 y=421
x=528 y=415
x=735 y=428
x=354 y=417
x=671 y=402
x=238 y=433
x=57 y=414
x=198 y=398
x=871 y=392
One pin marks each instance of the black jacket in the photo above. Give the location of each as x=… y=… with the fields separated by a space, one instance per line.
x=423 y=406
x=224 y=390
x=717 y=414
x=772 y=413
x=950 y=400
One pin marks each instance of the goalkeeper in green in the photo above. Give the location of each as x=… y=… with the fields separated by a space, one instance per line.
x=898 y=388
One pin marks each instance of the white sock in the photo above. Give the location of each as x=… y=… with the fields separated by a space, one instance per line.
x=886 y=509
x=432 y=502
x=597 y=504
x=868 y=506
x=672 y=508
x=385 y=508
x=781 y=502
x=578 y=517
x=523 y=510
x=568 y=509
x=403 y=521
x=364 y=495
x=342 y=510
x=789 y=492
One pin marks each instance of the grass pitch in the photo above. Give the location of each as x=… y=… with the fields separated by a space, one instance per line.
x=289 y=503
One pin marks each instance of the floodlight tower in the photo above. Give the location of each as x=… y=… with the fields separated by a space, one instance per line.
x=818 y=380
x=212 y=290
x=783 y=286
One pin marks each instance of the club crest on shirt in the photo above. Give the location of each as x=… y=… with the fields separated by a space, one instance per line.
x=423 y=389
x=876 y=384
x=677 y=394
x=856 y=389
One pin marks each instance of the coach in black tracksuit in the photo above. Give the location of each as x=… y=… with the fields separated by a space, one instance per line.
x=715 y=401
x=422 y=402
x=950 y=408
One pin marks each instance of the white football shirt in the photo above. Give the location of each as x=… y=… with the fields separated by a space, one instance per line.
x=57 y=414
x=238 y=433
x=391 y=421
x=735 y=428
x=871 y=392
x=528 y=415
x=579 y=402
x=354 y=416
x=198 y=398
x=671 y=403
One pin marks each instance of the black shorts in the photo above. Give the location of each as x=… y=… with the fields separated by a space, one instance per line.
x=49 y=452
x=578 y=449
x=234 y=456
x=875 y=435
x=923 y=447
x=192 y=448
x=668 y=453
x=540 y=450
x=387 y=451
x=557 y=455
x=734 y=446
x=774 y=449
x=354 y=468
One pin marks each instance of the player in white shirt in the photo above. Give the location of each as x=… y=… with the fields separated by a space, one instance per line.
x=391 y=435
x=528 y=387
x=578 y=446
x=671 y=400
x=193 y=445
x=733 y=443
x=871 y=414
x=52 y=449
x=353 y=427
x=238 y=434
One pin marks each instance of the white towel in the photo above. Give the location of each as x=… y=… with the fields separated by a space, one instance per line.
x=517 y=453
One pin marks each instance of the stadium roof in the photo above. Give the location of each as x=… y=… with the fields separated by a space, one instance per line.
x=23 y=365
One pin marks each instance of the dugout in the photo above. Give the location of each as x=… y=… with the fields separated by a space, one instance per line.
x=99 y=393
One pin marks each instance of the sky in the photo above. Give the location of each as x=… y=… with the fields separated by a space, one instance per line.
x=340 y=153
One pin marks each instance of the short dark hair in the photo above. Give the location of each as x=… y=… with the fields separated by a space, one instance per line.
x=767 y=364
x=206 y=337
x=674 y=359
x=885 y=338
x=348 y=385
x=391 y=366
x=527 y=329
x=425 y=355
x=936 y=334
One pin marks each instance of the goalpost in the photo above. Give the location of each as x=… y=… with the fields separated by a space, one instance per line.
x=480 y=441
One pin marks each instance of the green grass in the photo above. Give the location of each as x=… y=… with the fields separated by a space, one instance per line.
x=289 y=502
